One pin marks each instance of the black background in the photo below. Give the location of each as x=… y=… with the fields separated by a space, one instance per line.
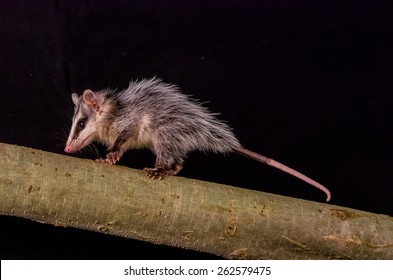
x=308 y=83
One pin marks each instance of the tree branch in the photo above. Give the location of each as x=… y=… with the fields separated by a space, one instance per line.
x=223 y=220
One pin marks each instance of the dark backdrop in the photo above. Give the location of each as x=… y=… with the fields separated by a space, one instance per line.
x=308 y=83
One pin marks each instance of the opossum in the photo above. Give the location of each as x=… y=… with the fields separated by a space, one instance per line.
x=156 y=115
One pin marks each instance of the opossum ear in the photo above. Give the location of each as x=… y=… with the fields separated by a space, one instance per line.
x=90 y=99
x=75 y=98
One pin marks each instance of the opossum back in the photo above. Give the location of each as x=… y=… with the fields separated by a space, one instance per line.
x=174 y=117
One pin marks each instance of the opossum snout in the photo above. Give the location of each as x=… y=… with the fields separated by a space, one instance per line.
x=68 y=149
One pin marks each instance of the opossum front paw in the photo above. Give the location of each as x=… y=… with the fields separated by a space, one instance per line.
x=155 y=173
x=111 y=158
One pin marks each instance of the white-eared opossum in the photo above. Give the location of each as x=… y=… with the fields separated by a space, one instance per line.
x=155 y=115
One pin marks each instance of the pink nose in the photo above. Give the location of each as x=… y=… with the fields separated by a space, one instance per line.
x=67 y=149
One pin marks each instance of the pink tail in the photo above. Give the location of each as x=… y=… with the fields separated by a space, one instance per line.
x=284 y=168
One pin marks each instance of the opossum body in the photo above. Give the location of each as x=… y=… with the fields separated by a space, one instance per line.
x=155 y=115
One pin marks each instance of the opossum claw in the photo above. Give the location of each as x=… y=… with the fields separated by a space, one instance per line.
x=111 y=158
x=154 y=173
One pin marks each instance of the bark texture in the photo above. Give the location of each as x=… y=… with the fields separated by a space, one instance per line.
x=231 y=222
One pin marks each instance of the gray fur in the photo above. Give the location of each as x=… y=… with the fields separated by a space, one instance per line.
x=175 y=120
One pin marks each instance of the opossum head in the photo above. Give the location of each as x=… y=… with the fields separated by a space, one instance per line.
x=84 y=123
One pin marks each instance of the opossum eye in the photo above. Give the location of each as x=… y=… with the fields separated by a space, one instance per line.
x=82 y=124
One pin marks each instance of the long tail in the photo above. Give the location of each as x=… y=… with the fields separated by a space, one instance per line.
x=284 y=168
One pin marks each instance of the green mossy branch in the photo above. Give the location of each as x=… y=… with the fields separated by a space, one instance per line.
x=227 y=221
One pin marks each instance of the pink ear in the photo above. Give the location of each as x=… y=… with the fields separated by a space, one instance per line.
x=89 y=98
x=75 y=98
